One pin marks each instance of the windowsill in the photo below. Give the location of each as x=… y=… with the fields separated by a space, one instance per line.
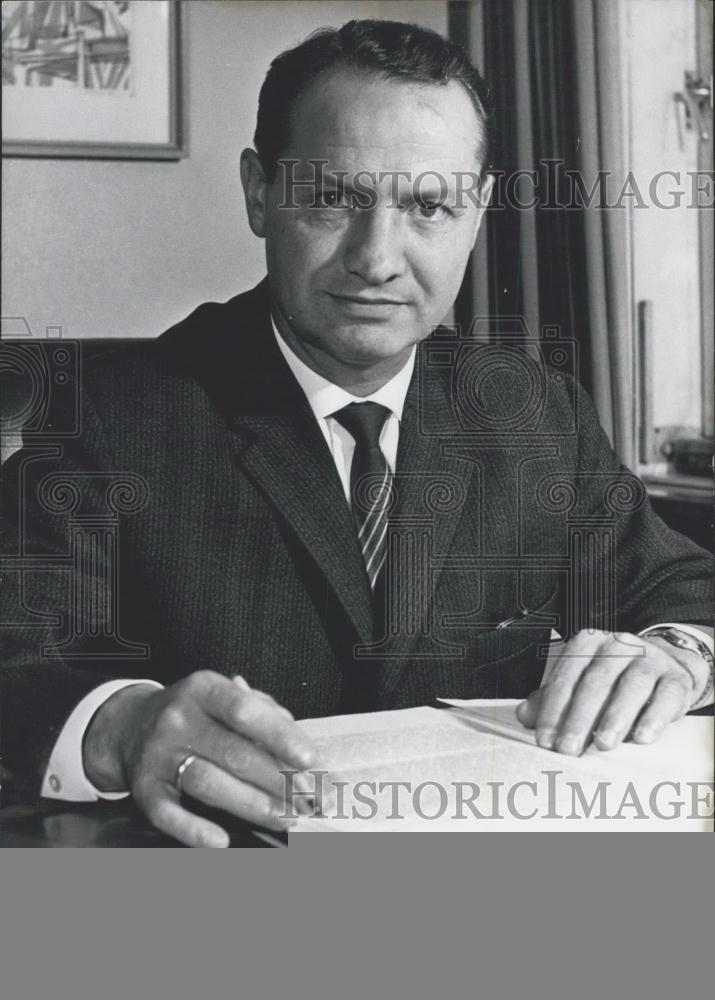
x=662 y=481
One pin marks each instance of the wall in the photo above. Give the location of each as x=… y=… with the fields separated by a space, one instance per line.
x=125 y=248
x=660 y=45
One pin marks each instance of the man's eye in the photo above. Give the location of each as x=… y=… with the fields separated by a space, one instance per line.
x=431 y=209
x=330 y=199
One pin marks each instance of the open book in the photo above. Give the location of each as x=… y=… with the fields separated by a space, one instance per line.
x=472 y=766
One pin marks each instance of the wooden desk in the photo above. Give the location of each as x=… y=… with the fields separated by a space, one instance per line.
x=47 y=823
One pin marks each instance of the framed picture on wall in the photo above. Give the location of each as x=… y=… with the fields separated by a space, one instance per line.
x=92 y=78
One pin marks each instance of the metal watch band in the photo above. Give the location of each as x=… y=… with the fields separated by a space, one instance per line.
x=684 y=640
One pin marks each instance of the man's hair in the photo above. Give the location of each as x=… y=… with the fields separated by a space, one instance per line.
x=391 y=49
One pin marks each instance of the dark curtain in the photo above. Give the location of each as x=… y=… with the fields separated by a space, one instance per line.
x=552 y=70
x=535 y=258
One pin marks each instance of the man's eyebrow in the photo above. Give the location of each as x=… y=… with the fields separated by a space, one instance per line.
x=304 y=181
x=431 y=188
x=424 y=192
x=328 y=182
x=335 y=181
x=429 y=191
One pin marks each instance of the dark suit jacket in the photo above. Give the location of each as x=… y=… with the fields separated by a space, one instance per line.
x=198 y=522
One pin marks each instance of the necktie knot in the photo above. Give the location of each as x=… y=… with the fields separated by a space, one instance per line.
x=364 y=421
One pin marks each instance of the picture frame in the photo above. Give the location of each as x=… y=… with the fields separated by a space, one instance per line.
x=93 y=79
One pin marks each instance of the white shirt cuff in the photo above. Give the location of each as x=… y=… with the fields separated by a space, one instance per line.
x=696 y=633
x=65 y=777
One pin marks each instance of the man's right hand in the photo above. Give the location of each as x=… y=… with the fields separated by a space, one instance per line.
x=242 y=739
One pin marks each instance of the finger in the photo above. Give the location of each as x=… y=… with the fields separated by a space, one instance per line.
x=561 y=684
x=528 y=711
x=167 y=815
x=242 y=759
x=252 y=763
x=276 y=705
x=669 y=702
x=253 y=717
x=590 y=700
x=215 y=787
x=633 y=690
x=243 y=684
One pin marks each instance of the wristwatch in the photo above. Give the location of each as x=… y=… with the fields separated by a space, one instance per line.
x=685 y=640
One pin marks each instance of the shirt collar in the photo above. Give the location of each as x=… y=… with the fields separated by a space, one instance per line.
x=325 y=398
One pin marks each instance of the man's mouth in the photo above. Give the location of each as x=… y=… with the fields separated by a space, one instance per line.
x=368 y=300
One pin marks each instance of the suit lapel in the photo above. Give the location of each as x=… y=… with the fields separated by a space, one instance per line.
x=482 y=472
x=432 y=487
x=299 y=478
x=280 y=447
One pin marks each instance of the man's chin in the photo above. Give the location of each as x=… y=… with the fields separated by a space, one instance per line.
x=372 y=346
x=366 y=358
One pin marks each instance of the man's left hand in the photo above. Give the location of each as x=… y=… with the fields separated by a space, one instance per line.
x=605 y=687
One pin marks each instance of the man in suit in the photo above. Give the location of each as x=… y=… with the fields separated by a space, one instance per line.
x=325 y=508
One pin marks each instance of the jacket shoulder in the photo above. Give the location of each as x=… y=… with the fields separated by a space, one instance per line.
x=214 y=333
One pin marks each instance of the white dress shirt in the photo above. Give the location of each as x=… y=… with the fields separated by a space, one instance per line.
x=325 y=398
x=65 y=777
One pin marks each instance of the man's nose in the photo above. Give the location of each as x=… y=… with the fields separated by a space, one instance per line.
x=375 y=250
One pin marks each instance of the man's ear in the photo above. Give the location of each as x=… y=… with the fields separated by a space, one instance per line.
x=255 y=189
x=485 y=195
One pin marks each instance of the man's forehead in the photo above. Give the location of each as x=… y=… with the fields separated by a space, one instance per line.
x=358 y=121
x=396 y=159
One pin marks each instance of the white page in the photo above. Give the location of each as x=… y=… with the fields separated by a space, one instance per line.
x=477 y=742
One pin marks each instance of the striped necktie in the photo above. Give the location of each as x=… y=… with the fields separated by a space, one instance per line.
x=369 y=481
